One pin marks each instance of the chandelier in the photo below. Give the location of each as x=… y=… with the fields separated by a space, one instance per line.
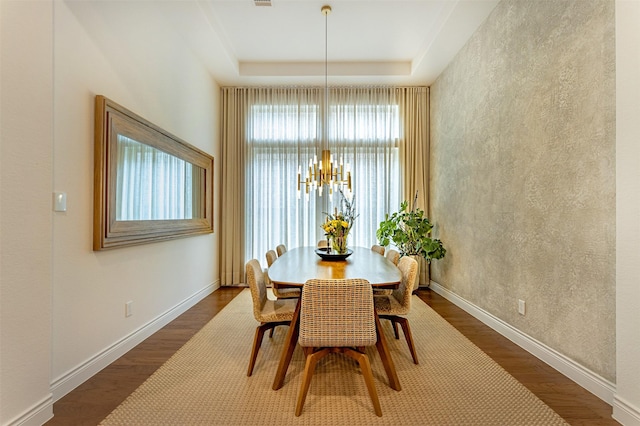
x=335 y=175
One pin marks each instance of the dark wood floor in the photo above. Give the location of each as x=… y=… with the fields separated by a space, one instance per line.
x=576 y=405
x=96 y=398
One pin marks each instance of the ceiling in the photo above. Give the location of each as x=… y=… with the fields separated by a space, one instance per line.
x=401 y=42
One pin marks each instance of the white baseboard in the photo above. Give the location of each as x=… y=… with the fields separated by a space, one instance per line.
x=64 y=384
x=584 y=377
x=625 y=413
x=37 y=415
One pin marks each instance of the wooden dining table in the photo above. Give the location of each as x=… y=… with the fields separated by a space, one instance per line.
x=298 y=265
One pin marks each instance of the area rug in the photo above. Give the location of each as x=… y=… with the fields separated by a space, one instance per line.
x=205 y=382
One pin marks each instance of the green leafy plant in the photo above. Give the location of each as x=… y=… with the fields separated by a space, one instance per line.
x=409 y=231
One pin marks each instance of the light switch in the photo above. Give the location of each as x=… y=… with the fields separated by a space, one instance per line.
x=59 y=201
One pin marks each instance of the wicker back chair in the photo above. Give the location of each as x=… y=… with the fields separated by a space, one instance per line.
x=281 y=249
x=398 y=303
x=271 y=257
x=337 y=316
x=280 y=293
x=270 y=313
x=378 y=249
x=393 y=256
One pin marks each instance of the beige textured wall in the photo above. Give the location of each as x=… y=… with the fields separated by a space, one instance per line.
x=523 y=173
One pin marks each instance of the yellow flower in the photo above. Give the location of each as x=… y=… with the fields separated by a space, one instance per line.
x=345 y=224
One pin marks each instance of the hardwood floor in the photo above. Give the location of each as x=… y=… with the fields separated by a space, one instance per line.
x=572 y=402
x=92 y=401
x=95 y=399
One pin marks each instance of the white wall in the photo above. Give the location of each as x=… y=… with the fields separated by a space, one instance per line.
x=115 y=49
x=62 y=303
x=25 y=210
x=627 y=398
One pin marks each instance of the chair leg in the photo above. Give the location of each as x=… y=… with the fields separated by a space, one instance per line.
x=385 y=357
x=408 y=337
x=395 y=320
x=395 y=329
x=257 y=341
x=290 y=342
x=309 y=368
x=365 y=366
x=394 y=324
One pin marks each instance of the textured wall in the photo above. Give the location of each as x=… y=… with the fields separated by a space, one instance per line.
x=523 y=173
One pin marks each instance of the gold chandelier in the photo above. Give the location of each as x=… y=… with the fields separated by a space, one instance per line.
x=334 y=174
x=328 y=172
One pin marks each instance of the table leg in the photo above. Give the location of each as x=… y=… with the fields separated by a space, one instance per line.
x=289 y=346
x=385 y=356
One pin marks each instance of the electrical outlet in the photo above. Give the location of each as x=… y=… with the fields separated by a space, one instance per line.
x=127 y=309
x=521 y=307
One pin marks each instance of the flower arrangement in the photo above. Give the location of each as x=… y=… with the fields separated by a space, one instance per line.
x=337 y=225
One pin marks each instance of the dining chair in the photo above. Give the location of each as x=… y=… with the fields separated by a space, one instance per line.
x=280 y=293
x=269 y=313
x=337 y=316
x=323 y=243
x=271 y=257
x=393 y=256
x=281 y=249
x=378 y=249
x=398 y=303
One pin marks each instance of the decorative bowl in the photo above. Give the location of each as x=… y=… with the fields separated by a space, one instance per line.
x=333 y=256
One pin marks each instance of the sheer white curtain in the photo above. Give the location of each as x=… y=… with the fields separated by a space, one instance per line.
x=151 y=184
x=364 y=128
x=284 y=128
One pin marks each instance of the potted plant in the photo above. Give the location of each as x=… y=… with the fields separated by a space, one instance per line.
x=409 y=231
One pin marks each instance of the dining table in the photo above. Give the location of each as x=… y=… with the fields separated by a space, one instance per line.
x=298 y=265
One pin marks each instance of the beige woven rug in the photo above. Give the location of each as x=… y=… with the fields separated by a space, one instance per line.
x=205 y=382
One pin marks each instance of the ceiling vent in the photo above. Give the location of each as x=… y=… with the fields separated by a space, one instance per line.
x=262 y=2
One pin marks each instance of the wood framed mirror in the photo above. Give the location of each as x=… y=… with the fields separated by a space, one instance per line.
x=149 y=185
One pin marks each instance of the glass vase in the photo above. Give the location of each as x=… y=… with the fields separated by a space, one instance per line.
x=339 y=244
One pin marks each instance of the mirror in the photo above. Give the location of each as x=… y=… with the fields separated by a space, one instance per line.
x=154 y=185
x=149 y=185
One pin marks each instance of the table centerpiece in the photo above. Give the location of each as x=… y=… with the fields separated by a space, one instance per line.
x=337 y=225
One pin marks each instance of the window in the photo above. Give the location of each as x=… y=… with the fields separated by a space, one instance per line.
x=284 y=130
